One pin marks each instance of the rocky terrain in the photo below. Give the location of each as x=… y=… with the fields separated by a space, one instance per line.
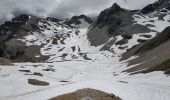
x=87 y=94
x=124 y=53
x=125 y=25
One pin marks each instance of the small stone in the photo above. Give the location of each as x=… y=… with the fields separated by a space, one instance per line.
x=37 y=74
x=27 y=71
x=37 y=82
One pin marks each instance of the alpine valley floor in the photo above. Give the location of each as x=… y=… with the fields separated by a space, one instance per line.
x=103 y=72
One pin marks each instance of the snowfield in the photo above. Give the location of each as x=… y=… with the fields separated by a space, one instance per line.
x=83 y=67
x=104 y=75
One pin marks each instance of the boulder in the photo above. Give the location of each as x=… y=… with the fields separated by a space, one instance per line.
x=37 y=82
x=14 y=48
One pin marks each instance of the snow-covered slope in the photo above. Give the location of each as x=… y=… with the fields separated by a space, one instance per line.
x=60 y=41
x=74 y=63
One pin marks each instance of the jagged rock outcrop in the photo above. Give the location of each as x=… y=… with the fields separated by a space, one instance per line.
x=18 y=27
x=107 y=16
x=76 y=20
x=9 y=29
x=160 y=4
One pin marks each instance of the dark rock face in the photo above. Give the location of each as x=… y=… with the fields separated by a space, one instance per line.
x=76 y=20
x=22 y=19
x=119 y=21
x=17 y=27
x=9 y=28
x=106 y=15
x=108 y=21
x=13 y=48
x=156 y=6
x=1 y=51
x=10 y=48
x=10 y=31
x=168 y=7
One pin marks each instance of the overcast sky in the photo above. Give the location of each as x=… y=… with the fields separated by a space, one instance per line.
x=63 y=8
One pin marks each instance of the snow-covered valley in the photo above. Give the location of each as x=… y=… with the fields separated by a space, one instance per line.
x=68 y=60
x=69 y=76
x=103 y=71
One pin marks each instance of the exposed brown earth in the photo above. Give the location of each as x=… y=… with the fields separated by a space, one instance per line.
x=87 y=94
x=30 y=55
x=4 y=61
x=152 y=58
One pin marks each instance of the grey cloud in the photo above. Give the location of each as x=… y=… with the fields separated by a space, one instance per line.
x=62 y=8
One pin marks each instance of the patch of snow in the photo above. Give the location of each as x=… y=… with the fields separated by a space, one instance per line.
x=151 y=19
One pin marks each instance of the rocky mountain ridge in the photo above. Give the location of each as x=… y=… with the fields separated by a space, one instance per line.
x=25 y=35
x=159 y=5
x=128 y=30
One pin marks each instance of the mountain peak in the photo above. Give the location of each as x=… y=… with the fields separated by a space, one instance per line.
x=115 y=6
x=21 y=19
x=111 y=13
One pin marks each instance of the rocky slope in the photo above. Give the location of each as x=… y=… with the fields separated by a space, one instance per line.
x=157 y=6
x=129 y=32
x=118 y=21
x=24 y=37
x=87 y=94
x=13 y=30
x=153 y=54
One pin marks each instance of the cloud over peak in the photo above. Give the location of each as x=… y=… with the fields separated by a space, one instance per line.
x=63 y=8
